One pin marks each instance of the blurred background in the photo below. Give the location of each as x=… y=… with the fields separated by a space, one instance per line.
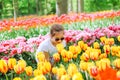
x=16 y=8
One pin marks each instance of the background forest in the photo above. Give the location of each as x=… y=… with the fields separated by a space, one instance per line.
x=10 y=8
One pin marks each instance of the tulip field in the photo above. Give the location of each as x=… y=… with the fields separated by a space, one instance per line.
x=92 y=51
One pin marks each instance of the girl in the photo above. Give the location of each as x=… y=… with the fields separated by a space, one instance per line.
x=48 y=46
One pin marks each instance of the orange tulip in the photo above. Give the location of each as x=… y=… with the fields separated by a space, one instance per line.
x=93 y=71
x=3 y=66
x=11 y=63
x=29 y=70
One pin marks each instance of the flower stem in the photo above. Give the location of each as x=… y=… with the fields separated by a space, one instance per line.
x=6 y=76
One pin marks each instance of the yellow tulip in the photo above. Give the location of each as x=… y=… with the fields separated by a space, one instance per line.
x=56 y=57
x=63 y=53
x=54 y=70
x=29 y=70
x=69 y=55
x=65 y=59
x=72 y=49
x=78 y=49
x=83 y=65
x=47 y=66
x=111 y=41
x=102 y=39
x=94 y=55
x=72 y=69
x=106 y=49
x=65 y=77
x=104 y=55
x=59 y=47
x=103 y=64
x=84 y=56
x=114 y=50
x=118 y=38
x=116 y=63
x=60 y=72
x=85 y=47
x=3 y=66
x=96 y=45
x=11 y=63
x=22 y=64
x=17 y=78
x=18 y=69
x=107 y=41
x=40 y=56
x=77 y=76
x=41 y=77
x=37 y=72
x=81 y=44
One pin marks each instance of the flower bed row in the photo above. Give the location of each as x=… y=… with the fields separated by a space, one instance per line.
x=45 y=21
x=80 y=61
x=9 y=48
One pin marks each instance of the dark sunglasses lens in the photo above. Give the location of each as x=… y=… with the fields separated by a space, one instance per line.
x=62 y=38
x=57 y=39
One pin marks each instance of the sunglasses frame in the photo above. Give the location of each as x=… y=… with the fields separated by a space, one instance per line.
x=57 y=39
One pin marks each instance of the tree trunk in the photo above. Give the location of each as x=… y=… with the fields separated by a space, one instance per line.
x=15 y=7
x=28 y=6
x=37 y=6
x=70 y=6
x=40 y=8
x=61 y=7
x=80 y=6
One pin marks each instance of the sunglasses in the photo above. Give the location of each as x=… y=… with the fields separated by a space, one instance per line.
x=57 y=39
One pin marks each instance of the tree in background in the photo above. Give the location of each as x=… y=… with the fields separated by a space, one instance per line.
x=15 y=7
x=80 y=6
x=61 y=7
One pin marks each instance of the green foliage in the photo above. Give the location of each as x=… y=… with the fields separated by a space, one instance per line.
x=101 y=5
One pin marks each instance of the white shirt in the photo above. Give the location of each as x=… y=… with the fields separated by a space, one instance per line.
x=47 y=46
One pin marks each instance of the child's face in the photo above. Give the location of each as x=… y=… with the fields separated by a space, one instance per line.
x=58 y=37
